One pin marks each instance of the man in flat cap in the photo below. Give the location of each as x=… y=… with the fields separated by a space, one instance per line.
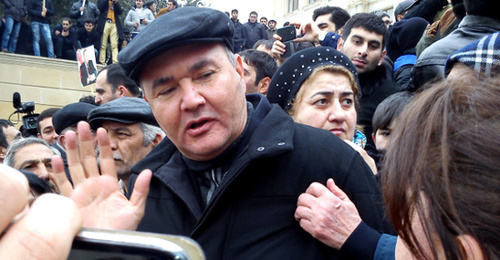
x=232 y=168
x=132 y=131
x=65 y=119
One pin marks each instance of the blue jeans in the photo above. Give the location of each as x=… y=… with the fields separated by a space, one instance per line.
x=36 y=27
x=9 y=39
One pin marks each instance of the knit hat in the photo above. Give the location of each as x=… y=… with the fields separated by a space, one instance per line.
x=482 y=55
x=288 y=79
x=409 y=31
x=179 y=27
x=404 y=6
x=127 y=110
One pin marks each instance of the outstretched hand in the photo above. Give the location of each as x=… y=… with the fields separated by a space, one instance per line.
x=98 y=195
x=43 y=231
x=327 y=214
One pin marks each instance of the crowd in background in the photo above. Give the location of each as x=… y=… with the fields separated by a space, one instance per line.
x=360 y=138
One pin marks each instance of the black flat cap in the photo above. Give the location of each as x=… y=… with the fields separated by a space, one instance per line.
x=70 y=115
x=290 y=76
x=178 y=27
x=127 y=110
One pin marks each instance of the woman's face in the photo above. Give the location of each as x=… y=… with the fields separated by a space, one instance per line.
x=327 y=101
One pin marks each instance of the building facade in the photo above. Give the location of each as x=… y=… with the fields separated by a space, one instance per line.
x=301 y=10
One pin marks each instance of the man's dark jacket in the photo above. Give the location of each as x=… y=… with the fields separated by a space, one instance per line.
x=16 y=9
x=35 y=11
x=430 y=64
x=239 y=37
x=375 y=86
x=103 y=6
x=254 y=32
x=251 y=213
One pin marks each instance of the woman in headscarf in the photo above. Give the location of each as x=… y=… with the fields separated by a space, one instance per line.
x=319 y=87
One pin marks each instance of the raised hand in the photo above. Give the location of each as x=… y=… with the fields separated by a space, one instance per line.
x=98 y=195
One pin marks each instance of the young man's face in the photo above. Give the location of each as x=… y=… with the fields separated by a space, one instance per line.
x=11 y=134
x=89 y=27
x=253 y=18
x=387 y=21
x=103 y=89
x=364 y=48
x=66 y=25
x=198 y=98
x=324 y=23
x=170 y=6
x=263 y=21
x=47 y=131
x=250 y=76
x=234 y=15
x=139 y=3
x=271 y=25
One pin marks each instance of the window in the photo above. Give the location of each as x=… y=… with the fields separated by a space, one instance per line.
x=293 y=5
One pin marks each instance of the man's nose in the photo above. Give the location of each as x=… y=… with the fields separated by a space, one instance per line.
x=191 y=97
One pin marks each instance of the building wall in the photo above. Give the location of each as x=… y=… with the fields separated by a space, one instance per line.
x=47 y=82
x=305 y=8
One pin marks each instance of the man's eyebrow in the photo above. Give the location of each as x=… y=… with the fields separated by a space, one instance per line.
x=161 y=81
x=198 y=65
x=374 y=42
x=28 y=162
x=358 y=36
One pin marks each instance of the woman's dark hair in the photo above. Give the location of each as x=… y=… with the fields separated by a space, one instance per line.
x=443 y=165
x=37 y=185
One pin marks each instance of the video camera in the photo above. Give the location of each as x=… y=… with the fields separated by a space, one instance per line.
x=30 y=120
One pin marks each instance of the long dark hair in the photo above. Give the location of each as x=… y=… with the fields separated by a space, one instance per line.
x=444 y=166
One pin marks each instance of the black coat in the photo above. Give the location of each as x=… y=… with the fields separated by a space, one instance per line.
x=375 y=86
x=251 y=214
x=254 y=32
x=16 y=9
x=103 y=6
x=35 y=11
x=84 y=39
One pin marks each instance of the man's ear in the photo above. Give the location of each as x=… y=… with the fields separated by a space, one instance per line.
x=340 y=31
x=382 y=57
x=263 y=85
x=122 y=91
x=239 y=66
x=470 y=247
x=340 y=42
x=3 y=152
x=62 y=141
x=157 y=140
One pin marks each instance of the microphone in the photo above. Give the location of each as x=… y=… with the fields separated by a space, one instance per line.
x=16 y=100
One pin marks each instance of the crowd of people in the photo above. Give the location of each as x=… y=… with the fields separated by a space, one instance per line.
x=86 y=24
x=208 y=131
